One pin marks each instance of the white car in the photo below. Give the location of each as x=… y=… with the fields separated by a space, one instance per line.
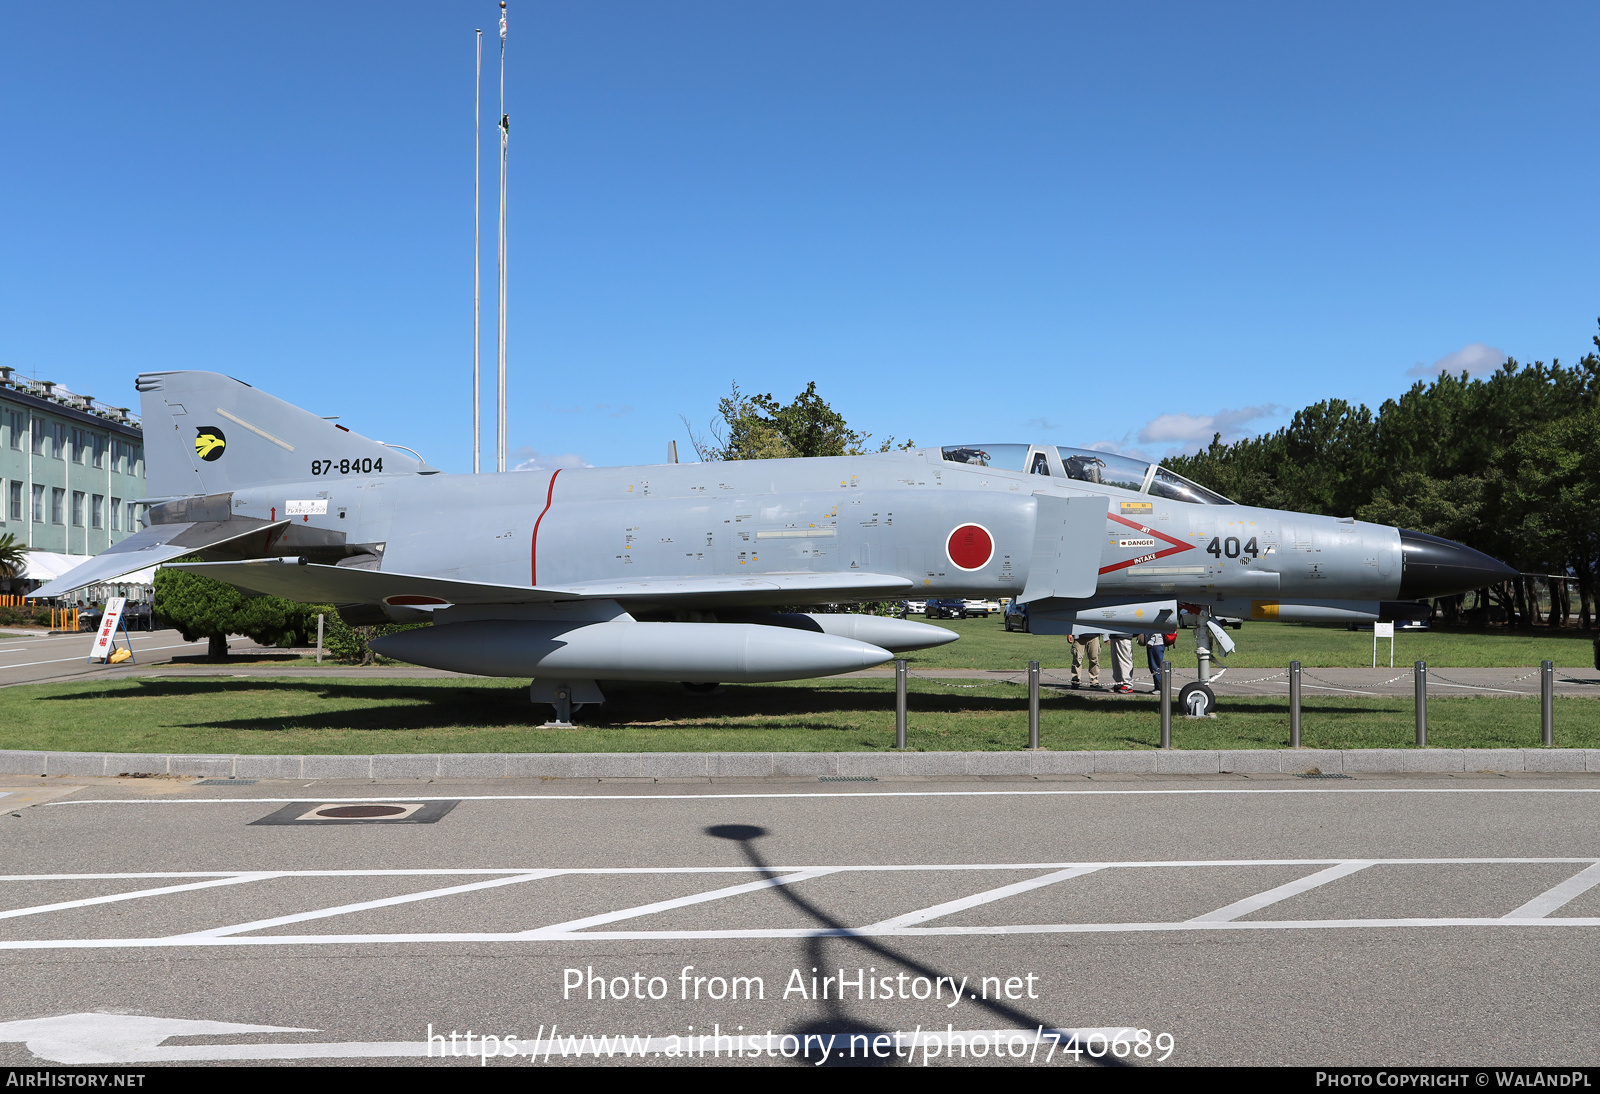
x=917 y=607
x=982 y=607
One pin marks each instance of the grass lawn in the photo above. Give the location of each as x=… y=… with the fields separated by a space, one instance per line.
x=985 y=644
x=290 y=716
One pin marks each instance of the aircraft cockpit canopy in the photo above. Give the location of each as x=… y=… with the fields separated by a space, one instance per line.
x=1085 y=465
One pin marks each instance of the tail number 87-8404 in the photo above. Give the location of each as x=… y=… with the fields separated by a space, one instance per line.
x=347 y=467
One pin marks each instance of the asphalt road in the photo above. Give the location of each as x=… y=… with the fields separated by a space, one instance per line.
x=1273 y=920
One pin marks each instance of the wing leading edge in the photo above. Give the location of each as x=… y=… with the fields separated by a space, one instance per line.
x=314 y=583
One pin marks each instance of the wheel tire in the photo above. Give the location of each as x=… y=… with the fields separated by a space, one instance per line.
x=1197 y=700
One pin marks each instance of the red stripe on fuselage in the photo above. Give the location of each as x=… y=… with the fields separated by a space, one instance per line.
x=1179 y=545
x=533 y=547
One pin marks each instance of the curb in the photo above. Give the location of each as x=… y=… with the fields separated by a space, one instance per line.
x=593 y=765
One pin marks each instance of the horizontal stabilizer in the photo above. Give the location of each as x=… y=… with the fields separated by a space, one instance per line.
x=318 y=584
x=161 y=543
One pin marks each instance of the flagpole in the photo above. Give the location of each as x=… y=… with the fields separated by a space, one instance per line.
x=505 y=138
x=477 y=261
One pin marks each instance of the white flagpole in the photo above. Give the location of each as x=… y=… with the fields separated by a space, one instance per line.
x=505 y=138
x=477 y=262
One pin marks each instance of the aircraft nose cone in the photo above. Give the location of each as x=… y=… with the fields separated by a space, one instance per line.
x=1441 y=567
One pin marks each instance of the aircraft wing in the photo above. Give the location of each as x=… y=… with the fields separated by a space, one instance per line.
x=155 y=545
x=313 y=583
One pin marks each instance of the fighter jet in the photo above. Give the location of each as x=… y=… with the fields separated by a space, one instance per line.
x=672 y=572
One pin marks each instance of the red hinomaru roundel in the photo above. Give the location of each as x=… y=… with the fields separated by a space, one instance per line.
x=970 y=547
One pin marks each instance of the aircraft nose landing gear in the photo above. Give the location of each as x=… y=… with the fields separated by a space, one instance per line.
x=1197 y=700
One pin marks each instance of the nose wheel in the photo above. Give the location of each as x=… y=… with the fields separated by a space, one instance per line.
x=1197 y=700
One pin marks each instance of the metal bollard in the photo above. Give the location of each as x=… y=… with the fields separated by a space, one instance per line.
x=1166 y=701
x=1420 y=676
x=1033 y=705
x=1294 y=704
x=319 y=638
x=900 y=704
x=1547 y=690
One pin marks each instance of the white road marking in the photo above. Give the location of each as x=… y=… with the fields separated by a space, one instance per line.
x=860 y=794
x=789 y=932
x=386 y=902
x=1532 y=914
x=85 y=657
x=1249 y=904
x=567 y=928
x=235 y=879
x=951 y=907
x=1547 y=902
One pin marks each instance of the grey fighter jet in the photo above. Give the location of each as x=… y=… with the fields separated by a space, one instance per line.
x=672 y=572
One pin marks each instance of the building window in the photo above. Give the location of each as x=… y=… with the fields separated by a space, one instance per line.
x=38 y=505
x=116 y=514
x=97 y=511
x=133 y=519
x=16 y=501
x=36 y=429
x=58 y=438
x=15 y=420
x=77 y=508
x=79 y=450
x=3 y=507
x=58 y=505
x=99 y=450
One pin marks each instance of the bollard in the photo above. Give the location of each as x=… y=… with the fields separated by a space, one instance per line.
x=1547 y=688
x=900 y=704
x=1420 y=675
x=1166 y=701
x=319 y=638
x=1294 y=704
x=1033 y=705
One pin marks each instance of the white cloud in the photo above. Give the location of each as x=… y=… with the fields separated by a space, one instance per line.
x=1189 y=429
x=530 y=459
x=1477 y=359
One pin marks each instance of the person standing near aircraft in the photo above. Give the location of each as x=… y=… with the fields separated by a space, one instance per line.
x=1155 y=652
x=1121 y=663
x=1086 y=644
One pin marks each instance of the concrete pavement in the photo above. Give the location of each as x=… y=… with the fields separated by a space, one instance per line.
x=1376 y=920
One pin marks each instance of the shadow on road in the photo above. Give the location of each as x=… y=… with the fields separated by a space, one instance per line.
x=837 y=1019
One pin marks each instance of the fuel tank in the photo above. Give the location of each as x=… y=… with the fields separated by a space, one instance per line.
x=894 y=635
x=629 y=650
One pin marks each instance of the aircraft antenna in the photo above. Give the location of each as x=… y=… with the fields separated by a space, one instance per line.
x=477 y=262
x=505 y=138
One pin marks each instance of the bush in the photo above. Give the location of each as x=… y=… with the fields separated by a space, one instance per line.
x=349 y=644
x=202 y=608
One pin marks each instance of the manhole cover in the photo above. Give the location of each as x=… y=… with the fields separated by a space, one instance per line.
x=335 y=813
x=348 y=812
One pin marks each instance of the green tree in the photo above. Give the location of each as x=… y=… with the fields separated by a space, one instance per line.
x=202 y=608
x=758 y=427
x=13 y=556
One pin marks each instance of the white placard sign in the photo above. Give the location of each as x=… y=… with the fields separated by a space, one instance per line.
x=103 y=643
x=317 y=507
x=1382 y=630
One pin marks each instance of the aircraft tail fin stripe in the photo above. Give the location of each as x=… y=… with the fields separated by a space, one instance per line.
x=533 y=547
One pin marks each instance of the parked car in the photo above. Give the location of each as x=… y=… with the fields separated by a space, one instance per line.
x=983 y=608
x=917 y=607
x=946 y=609
x=1017 y=617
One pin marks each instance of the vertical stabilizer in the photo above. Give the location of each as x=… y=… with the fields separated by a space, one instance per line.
x=206 y=433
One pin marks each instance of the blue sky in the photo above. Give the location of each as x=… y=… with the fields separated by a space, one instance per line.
x=1113 y=224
